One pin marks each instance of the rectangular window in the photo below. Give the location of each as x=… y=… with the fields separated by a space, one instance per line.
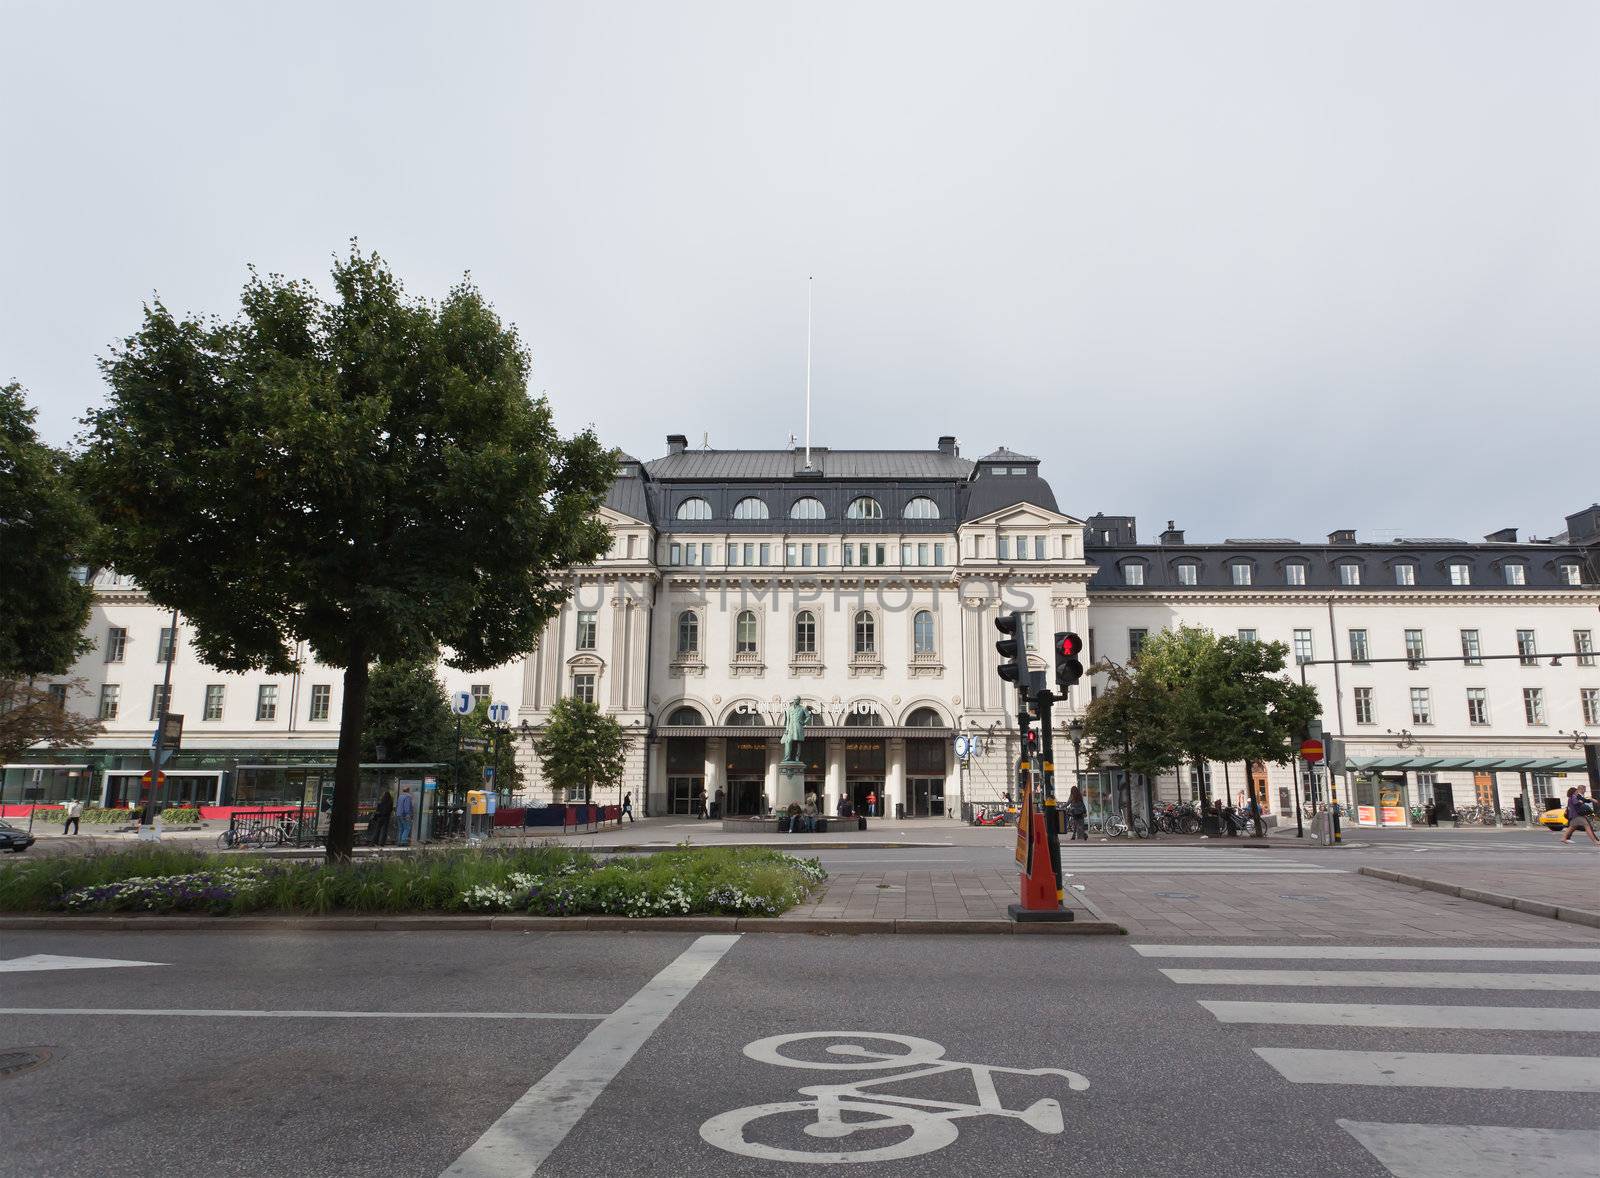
x=58 y=696
x=1533 y=704
x=849 y=556
x=1421 y=708
x=750 y=554
x=733 y=555
x=1527 y=648
x=159 y=698
x=1358 y=646
x=705 y=554
x=1583 y=643
x=791 y=554
x=1241 y=574
x=1294 y=574
x=1461 y=574
x=1516 y=574
x=922 y=554
x=1003 y=547
x=938 y=554
x=1188 y=574
x=1591 y=704
x=1414 y=649
x=164 y=644
x=1133 y=574
x=766 y=555
x=1470 y=650
x=1247 y=635
x=214 y=695
x=480 y=693
x=808 y=553
x=1022 y=548
x=1405 y=574
x=1303 y=652
x=905 y=555
x=583 y=688
x=1363 y=705
x=1571 y=574
x=675 y=554
x=691 y=554
x=116 y=643
x=1030 y=631
x=880 y=554
x=321 y=701
x=1041 y=548
x=1349 y=574
x=110 y=701
x=1477 y=705
x=267 y=701
x=1136 y=642
x=631 y=539
x=588 y=626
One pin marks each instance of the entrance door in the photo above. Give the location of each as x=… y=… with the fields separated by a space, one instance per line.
x=926 y=797
x=744 y=797
x=860 y=788
x=684 y=793
x=1445 y=799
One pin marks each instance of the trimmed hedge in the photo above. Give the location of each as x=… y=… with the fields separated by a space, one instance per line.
x=547 y=880
x=104 y=816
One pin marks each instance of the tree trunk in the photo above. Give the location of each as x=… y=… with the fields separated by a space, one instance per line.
x=347 y=770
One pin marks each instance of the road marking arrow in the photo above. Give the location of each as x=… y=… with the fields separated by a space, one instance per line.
x=42 y=961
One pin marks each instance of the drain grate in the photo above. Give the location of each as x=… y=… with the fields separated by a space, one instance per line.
x=22 y=1059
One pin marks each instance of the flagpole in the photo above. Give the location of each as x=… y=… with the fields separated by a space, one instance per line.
x=808 y=373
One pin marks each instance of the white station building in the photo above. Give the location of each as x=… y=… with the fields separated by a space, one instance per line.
x=865 y=583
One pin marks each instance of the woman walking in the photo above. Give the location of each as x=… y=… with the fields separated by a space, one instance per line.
x=1580 y=811
x=1076 y=813
x=378 y=824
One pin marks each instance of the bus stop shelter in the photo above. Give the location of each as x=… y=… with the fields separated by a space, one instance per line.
x=1379 y=767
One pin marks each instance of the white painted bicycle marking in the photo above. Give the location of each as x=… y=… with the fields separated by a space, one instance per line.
x=837 y=1111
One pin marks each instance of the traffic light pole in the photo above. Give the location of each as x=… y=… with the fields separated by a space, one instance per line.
x=1052 y=815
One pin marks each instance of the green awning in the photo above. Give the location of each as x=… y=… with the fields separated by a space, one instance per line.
x=1426 y=764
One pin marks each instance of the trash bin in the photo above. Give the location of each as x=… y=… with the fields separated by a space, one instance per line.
x=899 y=810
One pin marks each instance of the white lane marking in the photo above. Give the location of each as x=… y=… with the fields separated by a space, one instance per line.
x=1575 y=983
x=1435 y=1069
x=1157 y=869
x=1477 y=1151
x=1371 y=952
x=42 y=961
x=929 y=1120
x=205 y=1012
x=539 y=1120
x=1373 y=1014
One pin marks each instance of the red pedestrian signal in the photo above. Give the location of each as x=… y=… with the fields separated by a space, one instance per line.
x=1069 y=668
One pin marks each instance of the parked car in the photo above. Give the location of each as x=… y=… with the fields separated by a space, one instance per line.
x=13 y=838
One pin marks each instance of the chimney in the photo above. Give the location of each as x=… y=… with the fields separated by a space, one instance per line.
x=677 y=443
x=1503 y=536
x=947 y=445
x=1342 y=536
x=1173 y=534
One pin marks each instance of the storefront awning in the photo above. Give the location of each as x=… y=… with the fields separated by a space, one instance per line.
x=840 y=733
x=1424 y=764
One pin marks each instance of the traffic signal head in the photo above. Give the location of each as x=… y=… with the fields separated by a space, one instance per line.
x=1069 y=668
x=1012 y=649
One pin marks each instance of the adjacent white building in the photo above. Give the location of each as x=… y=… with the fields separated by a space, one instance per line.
x=865 y=584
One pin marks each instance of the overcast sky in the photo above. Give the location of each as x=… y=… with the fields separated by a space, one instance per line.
x=1265 y=268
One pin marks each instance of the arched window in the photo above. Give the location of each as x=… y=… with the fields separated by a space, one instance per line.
x=744 y=632
x=921 y=507
x=864 y=718
x=922 y=632
x=745 y=715
x=688 y=632
x=685 y=717
x=866 y=633
x=805 y=632
x=924 y=718
x=694 y=508
x=750 y=508
x=808 y=508
x=864 y=507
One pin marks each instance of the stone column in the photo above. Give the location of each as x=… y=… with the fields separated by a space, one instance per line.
x=833 y=771
x=894 y=785
x=716 y=756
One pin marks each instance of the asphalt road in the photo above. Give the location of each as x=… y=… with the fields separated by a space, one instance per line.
x=660 y=1044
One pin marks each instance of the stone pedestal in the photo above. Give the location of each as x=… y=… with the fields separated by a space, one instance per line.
x=791 y=785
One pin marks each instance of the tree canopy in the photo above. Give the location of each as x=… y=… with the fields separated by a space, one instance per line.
x=366 y=473
x=581 y=747
x=45 y=531
x=30 y=716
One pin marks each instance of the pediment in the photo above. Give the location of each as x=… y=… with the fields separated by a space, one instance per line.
x=1023 y=515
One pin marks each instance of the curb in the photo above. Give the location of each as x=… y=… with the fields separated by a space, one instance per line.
x=1477 y=896
x=552 y=924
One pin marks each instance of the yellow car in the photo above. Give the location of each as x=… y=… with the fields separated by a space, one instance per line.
x=1555 y=819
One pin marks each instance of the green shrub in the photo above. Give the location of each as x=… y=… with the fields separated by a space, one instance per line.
x=181 y=816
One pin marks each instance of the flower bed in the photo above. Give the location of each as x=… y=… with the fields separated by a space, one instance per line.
x=542 y=881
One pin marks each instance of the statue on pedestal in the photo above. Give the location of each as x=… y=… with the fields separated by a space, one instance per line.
x=794 y=729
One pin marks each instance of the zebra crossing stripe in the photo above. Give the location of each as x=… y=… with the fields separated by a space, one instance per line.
x=1478 y=1151
x=1570 y=983
x=1436 y=1069
x=1373 y=952
x=1371 y=1014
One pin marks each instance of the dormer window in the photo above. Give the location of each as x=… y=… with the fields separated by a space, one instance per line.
x=1460 y=573
x=750 y=507
x=1571 y=574
x=1188 y=573
x=921 y=507
x=808 y=507
x=694 y=508
x=1133 y=574
x=1516 y=574
x=1294 y=574
x=1405 y=574
x=864 y=507
x=1349 y=574
x=1241 y=573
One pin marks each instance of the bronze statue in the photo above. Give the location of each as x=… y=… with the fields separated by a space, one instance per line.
x=794 y=729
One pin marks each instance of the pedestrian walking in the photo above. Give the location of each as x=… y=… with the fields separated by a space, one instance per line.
x=872 y=803
x=627 y=807
x=1580 y=813
x=74 y=812
x=405 y=809
x=378 y=824
x=721 y=800
x=1077 y=813
x=1256 y=818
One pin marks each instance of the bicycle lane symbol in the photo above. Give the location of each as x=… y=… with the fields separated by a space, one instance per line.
x=835 y=1112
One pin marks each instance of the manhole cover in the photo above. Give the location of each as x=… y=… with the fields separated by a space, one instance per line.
x=22 y=1059
x=1178 y=895
x=1303 y=899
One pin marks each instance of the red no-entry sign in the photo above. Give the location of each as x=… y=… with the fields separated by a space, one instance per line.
x=153 y=776
x=1311 y=750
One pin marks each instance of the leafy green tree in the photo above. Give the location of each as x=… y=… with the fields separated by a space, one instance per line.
x=30 y=716
x=581 y=748
x=1129 y=725
x=408 y=714
x=499 y=749
x=45 y=530
x=367 y=474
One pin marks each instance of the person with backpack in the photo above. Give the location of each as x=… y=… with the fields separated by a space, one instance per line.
x=378 y=824
x=1077 y=812
x=627 y=808
x=1580 y=812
